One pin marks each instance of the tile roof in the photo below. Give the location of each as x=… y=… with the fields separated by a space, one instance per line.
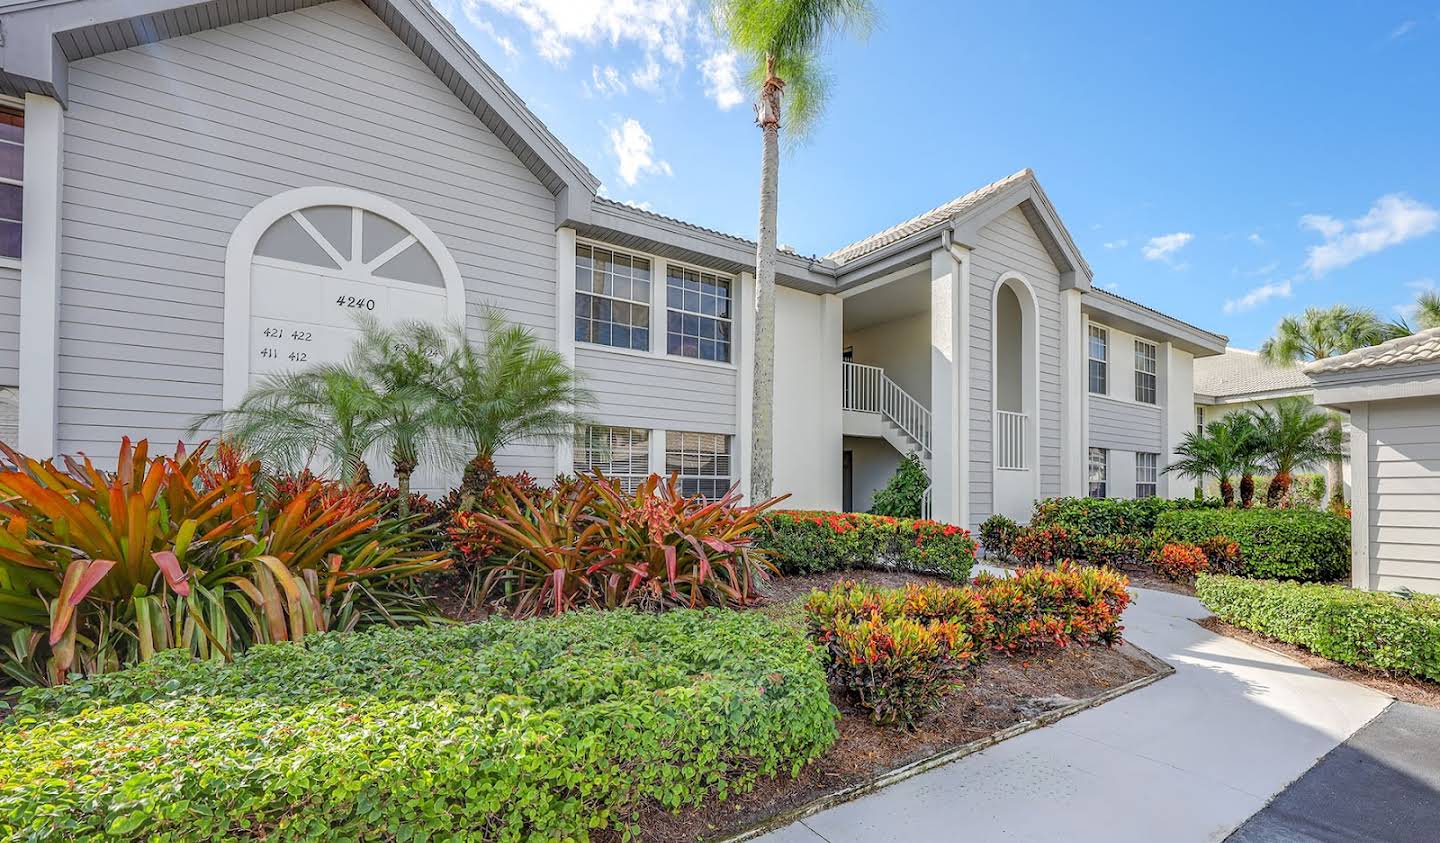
x=1423 y=347
x=934 y=216
x=1242 y=372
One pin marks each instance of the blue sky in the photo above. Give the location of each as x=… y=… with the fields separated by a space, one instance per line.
x=1228 y=163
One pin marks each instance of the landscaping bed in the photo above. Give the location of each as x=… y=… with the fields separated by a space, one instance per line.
x=1005 y=693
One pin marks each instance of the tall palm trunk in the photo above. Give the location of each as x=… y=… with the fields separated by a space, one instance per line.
x=767 y=116
x=1227 y=491
x=405 y=463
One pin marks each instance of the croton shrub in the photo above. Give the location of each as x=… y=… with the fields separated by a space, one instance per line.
x=808 y=542
x=1180 y=562
x=101 y=569
x=1390 y=632
x=896 y=652
x=552 y=729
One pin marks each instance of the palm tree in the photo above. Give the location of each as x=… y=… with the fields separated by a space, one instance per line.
x=1201 y=458
x=508 y=388
x=1325 y=332
x=401 y=367
x=320 y=417
x=782 y=40
x=1224 y=449
x=1292 y=435
x=1427 y=309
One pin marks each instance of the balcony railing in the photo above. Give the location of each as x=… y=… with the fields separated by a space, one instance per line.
x=1011 y=431
x=867 y=389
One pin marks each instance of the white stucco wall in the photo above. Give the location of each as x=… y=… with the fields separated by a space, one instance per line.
x=1178 y=380
x=808 y=429
x=902 y=348
x=873 y=463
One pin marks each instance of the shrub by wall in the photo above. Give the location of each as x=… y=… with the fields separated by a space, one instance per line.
x=505 y=730
x=903 y=495
x=1370 y=629
x=803 y=542
x=1085 y=518
x=1292 y=544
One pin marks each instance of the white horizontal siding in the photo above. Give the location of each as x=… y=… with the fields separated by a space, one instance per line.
x=1404 y=488
x=1009 y=244
x=9 y=326
x=658 y=392
x=168 y=145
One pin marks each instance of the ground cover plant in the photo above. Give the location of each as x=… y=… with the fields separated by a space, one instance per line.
x=898 y=651
x=502 y=730
x=99 y=569
x=1388 y=632
x=807 y=542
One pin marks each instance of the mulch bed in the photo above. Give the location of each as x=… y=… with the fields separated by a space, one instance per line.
x=1404 y=688
x=1003 y=691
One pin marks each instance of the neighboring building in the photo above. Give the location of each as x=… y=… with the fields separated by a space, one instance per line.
x=1243 y=380
x=1392 y=392
x=210 y=191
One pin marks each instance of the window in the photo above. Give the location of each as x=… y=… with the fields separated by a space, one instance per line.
x=702 y=460
x=612 y=298
x=1146 y=356
x=1147 y=475
x=1199 y=421
x=698 y=314
x=620 y=453
x=12 y=175
x=1098 y=464
x=1099 y=360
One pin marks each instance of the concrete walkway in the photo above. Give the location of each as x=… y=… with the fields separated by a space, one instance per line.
x=1186 y=759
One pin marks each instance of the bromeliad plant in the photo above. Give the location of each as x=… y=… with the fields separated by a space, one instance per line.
x=100 y=569
x=591 y=544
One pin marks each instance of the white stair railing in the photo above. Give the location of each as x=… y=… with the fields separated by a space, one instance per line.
x=867 y=389
x=1010 y=446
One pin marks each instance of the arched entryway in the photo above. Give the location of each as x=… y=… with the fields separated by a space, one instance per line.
x=1014 y=396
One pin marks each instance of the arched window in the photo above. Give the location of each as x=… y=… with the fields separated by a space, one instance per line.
x=302 y=265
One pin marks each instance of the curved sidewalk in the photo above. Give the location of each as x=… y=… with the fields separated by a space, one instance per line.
x=1188 y=758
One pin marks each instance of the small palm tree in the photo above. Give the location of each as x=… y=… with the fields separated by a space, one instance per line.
x=1200 y=459
x=782 y=40
x=321 y=417
x=507 y=388
x=1427 y=309
x=1291 y=436
x=1224 y=449
x=1325 y=332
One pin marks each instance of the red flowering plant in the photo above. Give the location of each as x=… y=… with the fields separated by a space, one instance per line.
x=805 y=542
x=1180 y=562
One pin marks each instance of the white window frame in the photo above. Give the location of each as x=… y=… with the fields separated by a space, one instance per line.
x=648 y=303
x=1147 y=353
x=728 y=321
x=677 y=454
x=1147 y=476
x=1104 y=469
x=1199 y=421
x=16 y=107
x=1097 y=332
x=584 y=459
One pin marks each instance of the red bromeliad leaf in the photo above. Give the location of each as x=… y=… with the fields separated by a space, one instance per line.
x=169 y=567
x=91 y=578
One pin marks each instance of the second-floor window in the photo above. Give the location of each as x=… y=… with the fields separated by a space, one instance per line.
x=697 y=314
x=612 y=298
x=1146 y=366
x=1099 y=360
x=12 y=175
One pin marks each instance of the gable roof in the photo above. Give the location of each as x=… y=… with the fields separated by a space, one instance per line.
x=1239 y=372
x=1130 y=315
x=1423 y=347
x=41 y=38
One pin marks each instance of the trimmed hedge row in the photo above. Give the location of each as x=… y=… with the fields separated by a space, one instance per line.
x=502 y=730
x=1370 y=629
x=1292 y=544
x=806 y=542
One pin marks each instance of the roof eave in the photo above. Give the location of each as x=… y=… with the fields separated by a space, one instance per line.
x=1145 y=322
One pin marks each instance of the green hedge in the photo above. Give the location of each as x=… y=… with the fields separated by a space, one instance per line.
x=1371 y=629
x=1289 y=544
x=504 y=730
x=1095 y=517
x=806 y=542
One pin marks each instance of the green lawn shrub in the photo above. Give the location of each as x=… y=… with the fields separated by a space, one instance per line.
x=903 y=495
x=809 y=542
x=505 y=730
x=1085 y=518
x=1370 y=629
x=1293 y=544
x=998 y=534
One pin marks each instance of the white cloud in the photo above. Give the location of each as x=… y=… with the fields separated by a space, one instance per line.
x=1258 y=296
x=722 y=79
x=1402 y=30
x=660 y=26
x=1162 y=247
x=1117 y=244
x=484 y=26
x=647 y=77
x=1392 y=220
x=606 y=81
x=635 y=152
x=1256 y=238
